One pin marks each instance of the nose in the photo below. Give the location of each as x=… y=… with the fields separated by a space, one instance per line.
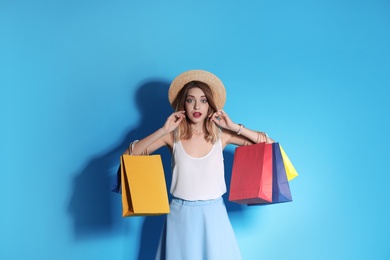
x=196 y=105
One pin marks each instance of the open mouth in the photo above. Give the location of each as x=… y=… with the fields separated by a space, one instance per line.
x=197 y=114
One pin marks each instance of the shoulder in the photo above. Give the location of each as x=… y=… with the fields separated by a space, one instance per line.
x=226 y=137
x=168 y=140
x=229 y=137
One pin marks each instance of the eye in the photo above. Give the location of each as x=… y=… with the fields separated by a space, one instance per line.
x=189 y=100
x=204 y=101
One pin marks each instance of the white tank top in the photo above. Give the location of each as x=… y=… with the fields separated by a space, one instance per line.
x=198 y=178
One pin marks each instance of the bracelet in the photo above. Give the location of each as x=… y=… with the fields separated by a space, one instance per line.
x=239 y=130
x=131 y=147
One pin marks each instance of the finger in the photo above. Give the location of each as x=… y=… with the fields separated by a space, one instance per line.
x=178 y=113
x=179 y=117
x=216 y=120
x=221 y=114
x=178 y=121
x=212 y=115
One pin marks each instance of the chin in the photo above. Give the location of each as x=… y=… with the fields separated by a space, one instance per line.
x=197 y=120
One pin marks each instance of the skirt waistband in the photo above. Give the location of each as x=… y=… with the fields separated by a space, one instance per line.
x=196 y=202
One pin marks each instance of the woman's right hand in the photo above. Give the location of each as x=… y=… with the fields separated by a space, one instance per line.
x=173 y=121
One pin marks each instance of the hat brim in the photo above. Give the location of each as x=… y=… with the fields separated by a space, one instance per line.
x=215 y=84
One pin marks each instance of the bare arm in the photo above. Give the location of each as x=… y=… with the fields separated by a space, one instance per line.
x=235 y=133
x=160 y=137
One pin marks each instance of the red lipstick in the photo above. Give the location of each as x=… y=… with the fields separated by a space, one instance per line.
x=197 y=114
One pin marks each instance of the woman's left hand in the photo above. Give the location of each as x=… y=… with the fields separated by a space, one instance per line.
x=221 y=119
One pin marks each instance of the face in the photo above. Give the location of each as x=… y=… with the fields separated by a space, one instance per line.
x=196 y=105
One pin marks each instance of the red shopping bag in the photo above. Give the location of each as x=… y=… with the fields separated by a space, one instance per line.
x=280 y=187
x=251 y=181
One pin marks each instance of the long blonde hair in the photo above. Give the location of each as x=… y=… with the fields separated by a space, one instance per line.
x=210 y=129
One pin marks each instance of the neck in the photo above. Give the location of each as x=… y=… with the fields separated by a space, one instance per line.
x=197 y=130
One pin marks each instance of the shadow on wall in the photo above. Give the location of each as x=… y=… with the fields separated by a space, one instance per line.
x=92 y=204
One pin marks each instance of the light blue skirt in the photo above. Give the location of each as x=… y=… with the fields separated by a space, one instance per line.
x=198 y=230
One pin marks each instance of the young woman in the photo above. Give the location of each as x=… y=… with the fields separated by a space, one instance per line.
x=196 y=134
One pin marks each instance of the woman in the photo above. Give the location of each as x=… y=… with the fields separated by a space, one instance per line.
x=196 y=134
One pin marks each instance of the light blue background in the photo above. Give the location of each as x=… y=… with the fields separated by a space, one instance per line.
x=79 y=80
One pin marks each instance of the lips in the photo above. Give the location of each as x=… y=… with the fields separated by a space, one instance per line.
x=197 y=114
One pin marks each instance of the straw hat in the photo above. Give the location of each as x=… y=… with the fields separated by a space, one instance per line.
x=215 y=84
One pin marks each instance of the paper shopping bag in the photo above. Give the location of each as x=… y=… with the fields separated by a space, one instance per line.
x=290 y=170
x=280 y=187
x=118 y=182
x=144 y=190
x=251 y=180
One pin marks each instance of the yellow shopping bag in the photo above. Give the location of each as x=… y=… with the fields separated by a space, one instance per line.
x=290 y=170
x=144 y=191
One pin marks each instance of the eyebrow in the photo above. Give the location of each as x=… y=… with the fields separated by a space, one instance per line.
x=194 y=96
